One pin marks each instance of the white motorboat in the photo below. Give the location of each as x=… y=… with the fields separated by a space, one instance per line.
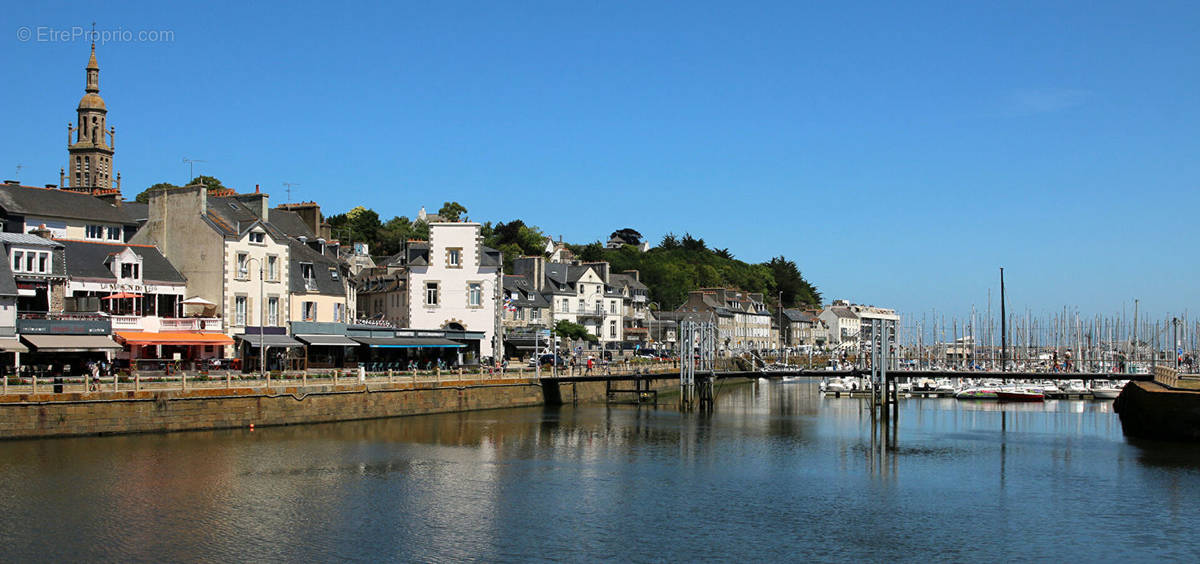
x=1102 y=390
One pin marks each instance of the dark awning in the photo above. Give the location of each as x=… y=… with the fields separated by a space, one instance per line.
x=270 y=340
x=328 y=340
x=408 y=342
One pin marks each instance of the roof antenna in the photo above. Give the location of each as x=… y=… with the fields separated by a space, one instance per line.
x=19 y=167
x=191 y=163
x=288 y=188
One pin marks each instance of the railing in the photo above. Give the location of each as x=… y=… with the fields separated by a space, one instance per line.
x=191 y=324
x=127 y=322
x=310 y=284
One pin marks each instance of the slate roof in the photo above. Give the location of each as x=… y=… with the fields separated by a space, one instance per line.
x=798 y=316
x=27 y=240
x=135 y=212
x=627 y=280
x=54 y=203
x=8 y=286
x=520 y=289
x=843 y=312
x=87 y=259
x=326 y=283
x=234 y=218
x=290 y=223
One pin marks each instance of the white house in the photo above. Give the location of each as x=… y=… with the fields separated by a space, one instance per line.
x=454 y=282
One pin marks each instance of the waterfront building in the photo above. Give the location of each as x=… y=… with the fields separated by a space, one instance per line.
x=579 y=293
x=844 y=325
x=454 y=283
x=743 y=321
x=635 y=311
x=524 y=311
x=802 y=328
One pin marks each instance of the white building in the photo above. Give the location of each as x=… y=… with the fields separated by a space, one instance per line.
x=454 y=283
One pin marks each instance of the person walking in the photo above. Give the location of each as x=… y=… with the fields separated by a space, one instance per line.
x=589 y=366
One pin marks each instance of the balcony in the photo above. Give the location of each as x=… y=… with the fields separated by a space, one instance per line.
x=597 y=312
x=153 y=324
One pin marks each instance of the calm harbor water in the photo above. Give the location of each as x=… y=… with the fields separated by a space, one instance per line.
x=776 y=473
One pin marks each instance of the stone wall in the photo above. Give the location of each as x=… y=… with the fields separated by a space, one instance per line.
x=67 y=414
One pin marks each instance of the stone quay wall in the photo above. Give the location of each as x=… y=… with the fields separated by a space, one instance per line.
x=100 y=413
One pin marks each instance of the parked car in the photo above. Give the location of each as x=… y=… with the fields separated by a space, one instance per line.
x=547 y=359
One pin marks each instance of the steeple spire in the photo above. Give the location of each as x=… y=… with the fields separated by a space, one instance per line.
x=93 y=72
x=90 y=156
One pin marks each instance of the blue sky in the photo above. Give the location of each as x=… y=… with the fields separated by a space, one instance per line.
x=898 y=152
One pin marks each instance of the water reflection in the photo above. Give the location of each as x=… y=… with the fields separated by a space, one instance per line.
x=776 y=472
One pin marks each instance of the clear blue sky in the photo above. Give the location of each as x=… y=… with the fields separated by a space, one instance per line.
x=898 y=152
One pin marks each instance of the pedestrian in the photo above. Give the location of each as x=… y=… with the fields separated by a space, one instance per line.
x=94 y=369
x=589 y=366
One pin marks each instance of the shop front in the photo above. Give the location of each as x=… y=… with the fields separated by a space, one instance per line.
x=167 y=350
x=281 y=351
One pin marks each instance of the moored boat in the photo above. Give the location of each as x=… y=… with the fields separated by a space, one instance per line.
x=977 y=392
x=1020 y=394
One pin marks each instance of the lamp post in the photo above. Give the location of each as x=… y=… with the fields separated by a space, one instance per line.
x=262 y=321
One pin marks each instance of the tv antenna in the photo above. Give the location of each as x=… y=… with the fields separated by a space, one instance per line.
x=191 y=163
x=19 y=167
x=288 y=189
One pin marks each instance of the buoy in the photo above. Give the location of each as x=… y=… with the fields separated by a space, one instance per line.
x=251 y=426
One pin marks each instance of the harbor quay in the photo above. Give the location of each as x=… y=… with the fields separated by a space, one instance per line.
x=36 y=410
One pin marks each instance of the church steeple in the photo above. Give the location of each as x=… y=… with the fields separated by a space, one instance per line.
x=90 y=156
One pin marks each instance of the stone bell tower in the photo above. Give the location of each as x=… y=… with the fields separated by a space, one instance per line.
x=90 y=156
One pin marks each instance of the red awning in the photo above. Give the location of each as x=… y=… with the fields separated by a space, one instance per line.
x=173 y=338
x=121 y=295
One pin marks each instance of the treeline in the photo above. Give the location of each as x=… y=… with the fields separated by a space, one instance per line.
x=681 y=264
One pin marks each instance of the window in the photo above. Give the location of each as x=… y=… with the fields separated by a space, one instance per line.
x=612 y=329
x=95 y=232
x=17 y=258
x=114 y=233
x=129 y=270
x=239 y=310
x=535 y=313
x=582 y=306
x=454 y=258
x=566 y=305
x=519 y=313
x=306 y=271
x=272 y=311
x=474 y=294
x=273 y=268
x=339 y=311
x=612 y=306
x=257 y=238
x=333 y=273
x=431 y=293
x=310 y=311
x=243 y=267
x=29 y=261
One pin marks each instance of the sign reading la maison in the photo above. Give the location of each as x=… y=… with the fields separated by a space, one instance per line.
x=118 y=287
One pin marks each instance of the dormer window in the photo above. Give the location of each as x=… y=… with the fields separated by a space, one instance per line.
x=129 y=270
x=95 y=232
x=114 y=233
x=257 y=237
x=333 y=273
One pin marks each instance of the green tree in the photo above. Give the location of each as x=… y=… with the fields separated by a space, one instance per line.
x=209 y=182
x=629 y=235
x=573 y=331
x=143 y=197
x=452 y=211
x=669 y=242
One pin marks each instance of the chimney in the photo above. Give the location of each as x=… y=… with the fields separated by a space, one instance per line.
x=257 y=202
x=533 y=268
x=12 y=183
x=635 y=274
x=52 y=186
x=41 y=231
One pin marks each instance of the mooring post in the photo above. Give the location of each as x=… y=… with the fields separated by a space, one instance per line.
x=35 y=383
x=182 y=380
x=389 y=375
x=228 y=383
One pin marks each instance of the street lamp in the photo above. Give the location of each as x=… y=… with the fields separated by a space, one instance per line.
x=262 y=321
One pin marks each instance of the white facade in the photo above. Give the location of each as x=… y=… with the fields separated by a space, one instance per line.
x=455 y=290
x=601 y=314
x=243 y=304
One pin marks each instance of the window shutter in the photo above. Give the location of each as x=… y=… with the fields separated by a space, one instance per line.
x=250 y=317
